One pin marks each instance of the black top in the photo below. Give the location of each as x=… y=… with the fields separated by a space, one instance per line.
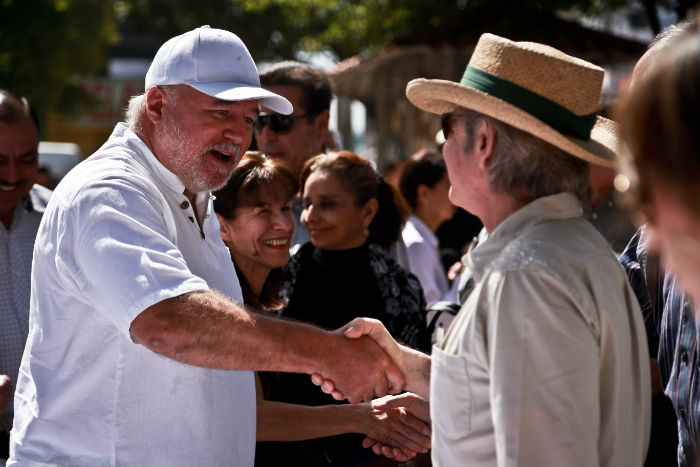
x=329 y=289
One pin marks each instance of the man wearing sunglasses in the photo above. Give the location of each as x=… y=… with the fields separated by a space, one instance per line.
x=297 y=137
x=546 y=363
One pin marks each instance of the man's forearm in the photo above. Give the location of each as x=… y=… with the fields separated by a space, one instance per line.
x=209 y=330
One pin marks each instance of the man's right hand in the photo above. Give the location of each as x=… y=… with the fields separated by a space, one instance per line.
x=360 y=370
x=413 y=364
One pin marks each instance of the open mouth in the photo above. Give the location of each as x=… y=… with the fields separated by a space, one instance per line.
x=222 y=155
x=277 y=242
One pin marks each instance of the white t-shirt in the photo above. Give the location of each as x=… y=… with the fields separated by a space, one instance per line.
x=547 y=362
x=117 y=237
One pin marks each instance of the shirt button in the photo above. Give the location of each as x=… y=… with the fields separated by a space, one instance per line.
x=682 y=412
x=185 y=205
x=684 y=357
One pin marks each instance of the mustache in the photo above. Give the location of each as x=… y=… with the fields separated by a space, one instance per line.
x=227 y=148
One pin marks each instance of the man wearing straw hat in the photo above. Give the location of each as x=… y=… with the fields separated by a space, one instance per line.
x=546 y=363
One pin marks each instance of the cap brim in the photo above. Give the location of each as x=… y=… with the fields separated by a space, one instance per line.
x=441 y=97
x=244 y=92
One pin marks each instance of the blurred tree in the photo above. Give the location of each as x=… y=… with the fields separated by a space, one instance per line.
x=46 y=44
x=275 y=29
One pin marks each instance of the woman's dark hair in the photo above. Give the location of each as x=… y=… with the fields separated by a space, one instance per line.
x=361 y=180
x=423 y=168
x=255 y=175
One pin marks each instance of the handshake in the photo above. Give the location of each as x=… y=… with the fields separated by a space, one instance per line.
x=370 y=363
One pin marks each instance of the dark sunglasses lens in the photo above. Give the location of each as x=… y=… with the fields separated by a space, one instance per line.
x=278 y=123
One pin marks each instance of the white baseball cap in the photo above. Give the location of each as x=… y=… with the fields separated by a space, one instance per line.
x=215 y=62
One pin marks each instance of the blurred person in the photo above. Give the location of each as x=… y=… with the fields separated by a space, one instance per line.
x=546 y=363
x=255 y=214
x=425 y=186
x=663 y=149
x=22 y=203
x=607 y=211
x=136 y=314
x=297 y=137
x=340 y=275
x=666 y=178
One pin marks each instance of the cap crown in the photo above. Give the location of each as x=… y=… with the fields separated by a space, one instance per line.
x=203 y=55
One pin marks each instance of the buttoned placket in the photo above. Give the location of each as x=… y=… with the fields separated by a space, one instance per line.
x=185 y=205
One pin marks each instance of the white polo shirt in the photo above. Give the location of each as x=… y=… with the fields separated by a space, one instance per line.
x=117 y=237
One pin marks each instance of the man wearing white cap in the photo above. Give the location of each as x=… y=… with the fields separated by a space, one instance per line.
x=129 y=268
x=546 y=363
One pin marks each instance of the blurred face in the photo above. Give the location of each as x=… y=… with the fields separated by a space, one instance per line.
x=439 y=200
x=300 y=142
x=19 y=159
x=259 y=236
x=676 y=232
x=201 y=139
x=330 y=215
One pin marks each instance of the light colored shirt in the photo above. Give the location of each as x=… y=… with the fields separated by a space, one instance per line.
x=422 y=247
x=424 y=261
x=547 y=362
x=117 y=237
x=16 y=246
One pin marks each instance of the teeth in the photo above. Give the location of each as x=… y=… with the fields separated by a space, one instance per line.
x=7 y=187
x=282 y=242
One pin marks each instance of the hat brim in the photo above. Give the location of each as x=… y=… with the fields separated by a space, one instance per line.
x=244 y=92
x=441 y=96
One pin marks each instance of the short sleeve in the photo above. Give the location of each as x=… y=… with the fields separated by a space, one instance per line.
x=118 y=244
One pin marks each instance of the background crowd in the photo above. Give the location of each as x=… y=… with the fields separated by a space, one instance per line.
x=262 y=274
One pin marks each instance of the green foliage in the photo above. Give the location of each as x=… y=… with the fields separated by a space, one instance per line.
x=46 y=44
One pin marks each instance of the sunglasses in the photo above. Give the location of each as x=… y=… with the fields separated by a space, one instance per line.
x=447 y=123
x=280 y=124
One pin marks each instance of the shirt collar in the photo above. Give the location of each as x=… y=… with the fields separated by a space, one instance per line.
x=424 y=231
x=553 y=207
x=159 y=171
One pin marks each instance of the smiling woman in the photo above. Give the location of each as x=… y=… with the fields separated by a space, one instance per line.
x=257 y=223
x=341 y=274
x=254 y=212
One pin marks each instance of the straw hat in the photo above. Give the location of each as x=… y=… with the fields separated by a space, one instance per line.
x=530 y=86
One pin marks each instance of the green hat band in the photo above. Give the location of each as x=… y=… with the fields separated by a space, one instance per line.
x=551 y=113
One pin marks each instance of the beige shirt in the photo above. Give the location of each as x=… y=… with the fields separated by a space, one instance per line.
x=547 y=362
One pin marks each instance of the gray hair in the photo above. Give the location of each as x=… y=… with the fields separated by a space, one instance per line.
x=526 y=167
x=133 y=115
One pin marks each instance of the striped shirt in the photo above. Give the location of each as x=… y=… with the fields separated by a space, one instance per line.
x=16 y=246
x=673 y=325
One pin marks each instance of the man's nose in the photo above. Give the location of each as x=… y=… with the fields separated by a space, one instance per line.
x=8 y=172
x=266 y=134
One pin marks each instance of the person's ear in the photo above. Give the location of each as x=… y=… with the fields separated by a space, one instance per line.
x=224 y=228
x=422 y=194
x=321 y=126
x=369 y=210
x=156 y=98
x=484 y=141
